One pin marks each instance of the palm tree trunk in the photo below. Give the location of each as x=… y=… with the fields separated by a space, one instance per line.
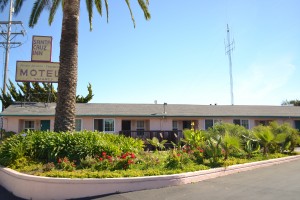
x=67 y=76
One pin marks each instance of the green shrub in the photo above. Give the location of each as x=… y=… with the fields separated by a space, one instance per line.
x=49 y=146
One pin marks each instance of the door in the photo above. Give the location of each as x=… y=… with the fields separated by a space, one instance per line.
x=45 y=125
x=186 y=125
x=297 y=124
x=126 y=125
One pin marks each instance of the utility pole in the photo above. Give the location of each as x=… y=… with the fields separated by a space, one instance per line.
x=9 y=36
x=229 y=46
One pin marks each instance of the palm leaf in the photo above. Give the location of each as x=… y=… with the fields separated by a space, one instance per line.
x=37 y=9
x=89 y=7
x=144 y=7
x=3 y=4
x=55 y=4
x=17 y=6
x=132 y=18
x=106 y=7
x=98 y=4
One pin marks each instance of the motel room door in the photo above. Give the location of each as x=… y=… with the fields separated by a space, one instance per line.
x=45 y=125
x=297 y=124
x=126 y=125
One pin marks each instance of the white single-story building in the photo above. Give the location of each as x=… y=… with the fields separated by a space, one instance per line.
x=146 y=120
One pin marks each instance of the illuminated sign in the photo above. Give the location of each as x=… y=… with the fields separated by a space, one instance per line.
x=41 y=48
x=37 y=71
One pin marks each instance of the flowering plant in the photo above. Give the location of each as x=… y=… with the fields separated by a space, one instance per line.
x=66 y=164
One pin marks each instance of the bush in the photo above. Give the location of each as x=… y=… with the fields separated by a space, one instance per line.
x=49 y=146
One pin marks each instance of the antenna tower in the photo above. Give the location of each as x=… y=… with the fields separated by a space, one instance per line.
x=8 y=35
x=229 y=47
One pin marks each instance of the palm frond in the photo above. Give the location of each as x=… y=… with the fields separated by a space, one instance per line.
x=106 y=7
x=144 y=6
x=132 y=18
x=55 y=4
x=37 y=9
x=89 y=7
x=98 y=4
x=17 y=6
x=3 y=4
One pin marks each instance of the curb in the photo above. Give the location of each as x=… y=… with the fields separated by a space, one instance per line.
x=36 y=187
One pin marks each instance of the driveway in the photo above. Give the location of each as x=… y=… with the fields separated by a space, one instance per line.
x=268 y=183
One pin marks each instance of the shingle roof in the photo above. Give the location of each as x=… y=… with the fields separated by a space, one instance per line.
x=152 y=110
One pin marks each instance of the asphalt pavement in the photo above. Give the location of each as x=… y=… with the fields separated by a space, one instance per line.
x=280 y=181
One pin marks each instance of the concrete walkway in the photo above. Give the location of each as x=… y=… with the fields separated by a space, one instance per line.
x=268 y=183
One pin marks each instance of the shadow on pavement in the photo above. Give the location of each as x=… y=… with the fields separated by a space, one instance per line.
x=6 y=195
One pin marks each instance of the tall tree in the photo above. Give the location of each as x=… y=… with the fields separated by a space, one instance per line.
x=36 y=92
x=295 y=102
x=67 y=77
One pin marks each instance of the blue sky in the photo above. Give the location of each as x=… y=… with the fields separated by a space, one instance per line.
x=179 y=55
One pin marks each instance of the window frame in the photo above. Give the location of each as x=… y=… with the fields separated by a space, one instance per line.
x=80 y=124
x=214 y=122
x=241 y=122
x=140 y=130
x=104 y=125
x=29 y=128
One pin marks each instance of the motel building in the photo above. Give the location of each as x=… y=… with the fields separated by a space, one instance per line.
x=147 y=120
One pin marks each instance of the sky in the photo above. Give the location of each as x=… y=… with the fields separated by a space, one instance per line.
x=178 y=57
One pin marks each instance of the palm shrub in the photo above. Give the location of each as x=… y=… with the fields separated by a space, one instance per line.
x=194 y=138
x=285 y=136
x=213 y=150
x=156 y=143
x=228 y=143
x=232 y=129
x=264 y=136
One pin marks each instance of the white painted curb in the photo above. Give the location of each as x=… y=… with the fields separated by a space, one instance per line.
x=40 y=188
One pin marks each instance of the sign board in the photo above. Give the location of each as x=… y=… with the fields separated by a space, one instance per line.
x=41 y=48
x=37 y=71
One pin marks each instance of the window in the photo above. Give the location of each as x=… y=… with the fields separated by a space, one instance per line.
x=140 y=127
x=109 y=125
x=78 y=125
x=242 y=122
x=211 y=122
x=104 y=125
x=175 y=125
x=29 y=125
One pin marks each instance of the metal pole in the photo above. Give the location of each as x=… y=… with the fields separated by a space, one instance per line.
x=7 y=47
x=230 y=64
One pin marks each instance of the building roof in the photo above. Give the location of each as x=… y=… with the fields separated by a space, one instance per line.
x=155 y=110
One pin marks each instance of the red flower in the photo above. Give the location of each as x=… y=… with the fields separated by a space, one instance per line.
x=59 y=160
x=201 y=150
x=132 y=155
x=178 y=154
x=100 y=159
x=130 y=162
x=104 y=154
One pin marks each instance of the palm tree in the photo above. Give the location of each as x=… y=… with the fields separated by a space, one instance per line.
x=67 y=77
